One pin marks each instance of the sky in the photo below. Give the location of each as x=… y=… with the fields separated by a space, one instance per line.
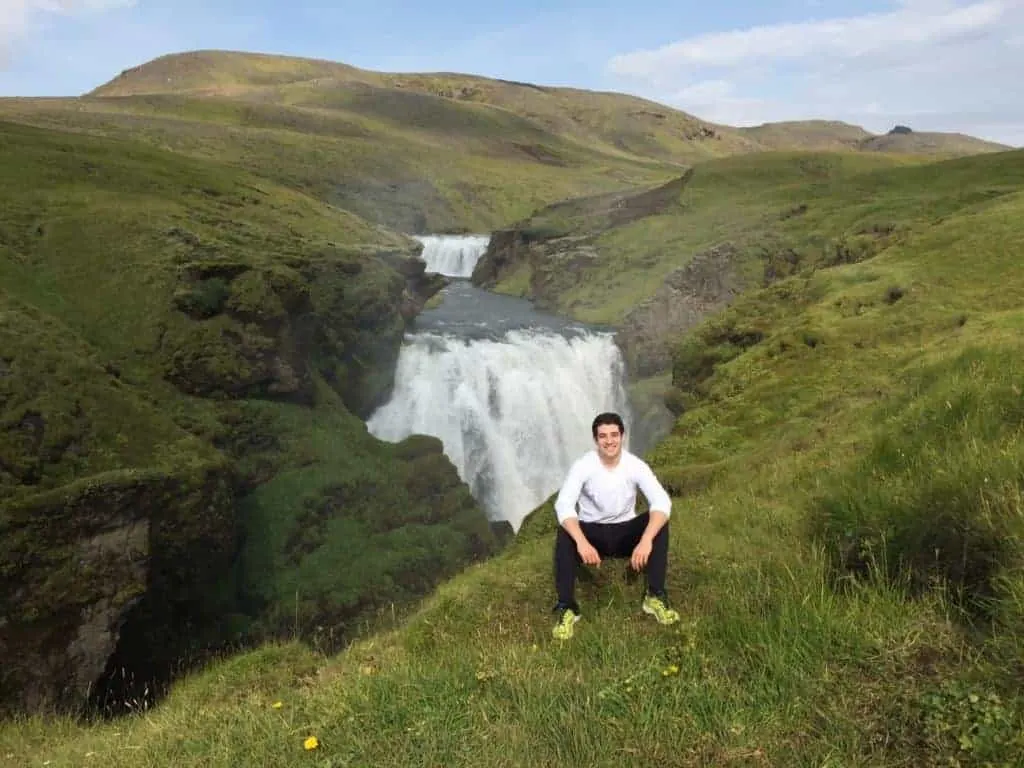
x=944 y=65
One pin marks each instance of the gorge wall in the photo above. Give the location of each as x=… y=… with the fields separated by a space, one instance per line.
x=183 y=466
x=549 y=254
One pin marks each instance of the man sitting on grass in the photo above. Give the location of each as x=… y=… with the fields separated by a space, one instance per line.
x=603 y=484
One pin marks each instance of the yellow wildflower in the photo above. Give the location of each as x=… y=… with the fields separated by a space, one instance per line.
x=277 y=704
x=311 y=743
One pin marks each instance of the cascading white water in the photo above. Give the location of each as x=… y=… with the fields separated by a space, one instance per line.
x=453 y=255
x=513 y=412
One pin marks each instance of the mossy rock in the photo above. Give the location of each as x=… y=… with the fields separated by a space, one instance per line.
x=356 y=525
x=79 y=558
x=223 y=357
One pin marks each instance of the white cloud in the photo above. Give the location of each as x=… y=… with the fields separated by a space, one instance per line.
x=913 y=24
x=948 y=65
x=18 y=17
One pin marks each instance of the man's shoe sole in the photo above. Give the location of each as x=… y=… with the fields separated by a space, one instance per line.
x=575 y=621
x=652 y=612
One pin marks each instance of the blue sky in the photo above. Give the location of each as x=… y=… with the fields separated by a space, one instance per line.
x=951 y=65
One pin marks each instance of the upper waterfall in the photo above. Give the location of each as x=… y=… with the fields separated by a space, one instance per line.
x=452 y=255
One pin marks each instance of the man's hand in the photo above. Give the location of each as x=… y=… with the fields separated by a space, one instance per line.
x=588 y=554
x=641 y=553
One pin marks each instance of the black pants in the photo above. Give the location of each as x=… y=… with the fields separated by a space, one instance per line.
x=610 y=540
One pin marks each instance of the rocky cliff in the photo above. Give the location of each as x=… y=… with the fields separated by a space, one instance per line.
x=707 y=284
x=548 y=255
x=547 y=252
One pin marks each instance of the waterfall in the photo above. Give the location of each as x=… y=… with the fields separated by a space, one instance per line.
x=453 y=255
x=513 y=411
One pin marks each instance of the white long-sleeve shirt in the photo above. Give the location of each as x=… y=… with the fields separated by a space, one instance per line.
x=609 y=495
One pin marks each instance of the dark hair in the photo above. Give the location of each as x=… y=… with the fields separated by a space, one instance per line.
x=607 y=418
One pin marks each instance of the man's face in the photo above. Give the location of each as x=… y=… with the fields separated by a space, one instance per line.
x=609 y=441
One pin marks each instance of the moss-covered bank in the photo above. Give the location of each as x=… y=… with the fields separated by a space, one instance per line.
x=185 y=351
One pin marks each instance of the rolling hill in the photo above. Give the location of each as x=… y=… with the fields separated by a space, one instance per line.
x=610 y=120
x=831 y=135
x=420 y=152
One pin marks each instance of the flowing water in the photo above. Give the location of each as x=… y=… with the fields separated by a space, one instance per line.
x=510 y=391
x=454 y=256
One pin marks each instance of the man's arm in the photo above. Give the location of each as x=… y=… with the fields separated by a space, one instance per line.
x=656 y=495
x=565 y=510
x=661 y=509
x=569 y=494
x=572 y=527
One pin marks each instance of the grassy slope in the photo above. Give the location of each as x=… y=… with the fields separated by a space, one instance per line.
x=853 y=391
x=837 y=136
x=614 y=123
x=765 y=205
x=366 y=153
x=807 y=134
x=413 y=161
x=86 y=212
x=89 y=209
x=94 y=235
x=931 y=143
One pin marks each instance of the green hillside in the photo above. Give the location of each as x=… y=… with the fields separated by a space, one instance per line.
x=611 y=121
x=186 y=351
x=848 y=536
x=759 y=217
x=832 y=135
x=756 y=203
x=370 y=159
x=930 y=143
x=618 y=124
x=417 y=152
x=829 y=135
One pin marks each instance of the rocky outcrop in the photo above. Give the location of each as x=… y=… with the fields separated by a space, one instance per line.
x=420 y=285
x=255 y=331
x=555 y=245
x=552 y=264
x=78 y=561
x=707 y=284
x=506 y=250
x=105 y=504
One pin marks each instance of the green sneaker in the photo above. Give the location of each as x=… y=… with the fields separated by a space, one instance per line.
x=566 y=621
x=658 y=608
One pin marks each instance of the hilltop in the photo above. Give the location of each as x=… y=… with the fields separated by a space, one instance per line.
x=617 y=124
x=836 y=136
x=614 y=121
x=416 y=152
